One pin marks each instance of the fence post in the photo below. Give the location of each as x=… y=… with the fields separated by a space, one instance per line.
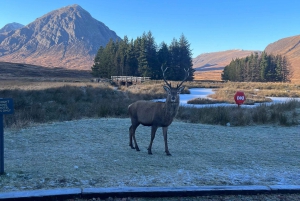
x=1 y=145
x=6 y=107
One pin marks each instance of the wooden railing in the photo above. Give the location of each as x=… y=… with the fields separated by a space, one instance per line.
x=130 y=79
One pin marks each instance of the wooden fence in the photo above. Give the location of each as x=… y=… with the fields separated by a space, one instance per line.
x=128 y=80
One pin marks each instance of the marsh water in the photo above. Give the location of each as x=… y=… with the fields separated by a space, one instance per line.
x=205 y=92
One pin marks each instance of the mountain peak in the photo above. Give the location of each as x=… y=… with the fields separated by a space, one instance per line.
x=11 y=27
x=74 y=6
x=71 y=8
x=67 y=37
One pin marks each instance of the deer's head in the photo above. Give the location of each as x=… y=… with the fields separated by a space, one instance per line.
x=173 y=92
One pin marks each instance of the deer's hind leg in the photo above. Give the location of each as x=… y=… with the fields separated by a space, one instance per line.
x=132 y=137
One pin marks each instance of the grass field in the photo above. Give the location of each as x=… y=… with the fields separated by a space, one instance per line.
x=94 y=152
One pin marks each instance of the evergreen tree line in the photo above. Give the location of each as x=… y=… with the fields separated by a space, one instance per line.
x=143 y=58
x=258 y=68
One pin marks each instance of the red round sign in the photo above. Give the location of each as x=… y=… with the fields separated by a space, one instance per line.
x=239 y=97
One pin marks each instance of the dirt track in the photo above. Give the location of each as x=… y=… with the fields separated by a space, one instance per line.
x=95 y=153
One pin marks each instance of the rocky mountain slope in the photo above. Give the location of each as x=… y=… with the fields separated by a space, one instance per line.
x=289 y=47
x=68 y=37
x=11 y=27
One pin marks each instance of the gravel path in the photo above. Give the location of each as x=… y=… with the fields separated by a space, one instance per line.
x=95 y=153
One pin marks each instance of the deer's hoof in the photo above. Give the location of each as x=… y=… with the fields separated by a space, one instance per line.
x=132 y=147
x=137 y=149
x=149 y=152
x=168 y=154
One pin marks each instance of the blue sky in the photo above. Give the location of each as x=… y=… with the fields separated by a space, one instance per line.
x=209 y=25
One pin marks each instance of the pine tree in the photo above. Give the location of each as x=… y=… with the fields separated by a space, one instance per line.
x=286 y=72
x=175 y=61
x=185 y=54
x=96 y=68
x=164 y=59
x=141 y=53
x=255 y=68
x=141 y=57
x=151 y=54
x=263 y=66
x=132 y=62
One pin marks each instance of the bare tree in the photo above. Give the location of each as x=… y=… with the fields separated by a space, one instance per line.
x=155 y=114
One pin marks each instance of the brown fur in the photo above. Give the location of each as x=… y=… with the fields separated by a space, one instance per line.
x=154 y=114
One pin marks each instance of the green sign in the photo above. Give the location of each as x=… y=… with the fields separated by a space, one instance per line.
x=6 y=106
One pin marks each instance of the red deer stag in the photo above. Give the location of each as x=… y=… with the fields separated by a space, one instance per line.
x=155 y=114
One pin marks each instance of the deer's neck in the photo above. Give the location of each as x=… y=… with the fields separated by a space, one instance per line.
x=171 y=110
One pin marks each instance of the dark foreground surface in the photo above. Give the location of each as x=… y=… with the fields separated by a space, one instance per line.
x=259 y=197
x=273 y=192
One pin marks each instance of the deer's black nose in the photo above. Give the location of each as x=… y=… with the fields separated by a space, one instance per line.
x=173 y=98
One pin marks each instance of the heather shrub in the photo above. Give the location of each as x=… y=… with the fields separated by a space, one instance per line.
x=285 y=114
x=63 y=104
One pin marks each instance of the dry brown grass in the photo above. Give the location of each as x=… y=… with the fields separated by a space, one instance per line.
x=150 y=90
x=41 y=102
x=17 y=71
x=41 y=85
x=214 y=75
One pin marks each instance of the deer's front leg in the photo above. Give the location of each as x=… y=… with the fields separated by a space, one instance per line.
x=165 y=131
x=153 y=131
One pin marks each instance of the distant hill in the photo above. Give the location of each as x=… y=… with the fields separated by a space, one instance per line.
x=68 y=37
x=17 y=71
x=11 y=27
x=289 y=47
x=218 y=60
x=209 y=66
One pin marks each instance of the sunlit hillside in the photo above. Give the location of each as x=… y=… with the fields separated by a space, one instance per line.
x=209 y=66
x=289 y=47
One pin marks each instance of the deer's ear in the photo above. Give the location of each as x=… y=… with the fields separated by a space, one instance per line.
x=167 y=89
x=180 y=89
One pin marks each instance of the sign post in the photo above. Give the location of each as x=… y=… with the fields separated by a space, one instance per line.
x=239 y=98
x=6 y=107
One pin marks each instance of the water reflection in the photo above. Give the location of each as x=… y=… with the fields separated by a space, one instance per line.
x=195 y=93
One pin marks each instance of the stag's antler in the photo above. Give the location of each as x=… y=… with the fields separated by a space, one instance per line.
x=163 y=71
x=187 y=73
